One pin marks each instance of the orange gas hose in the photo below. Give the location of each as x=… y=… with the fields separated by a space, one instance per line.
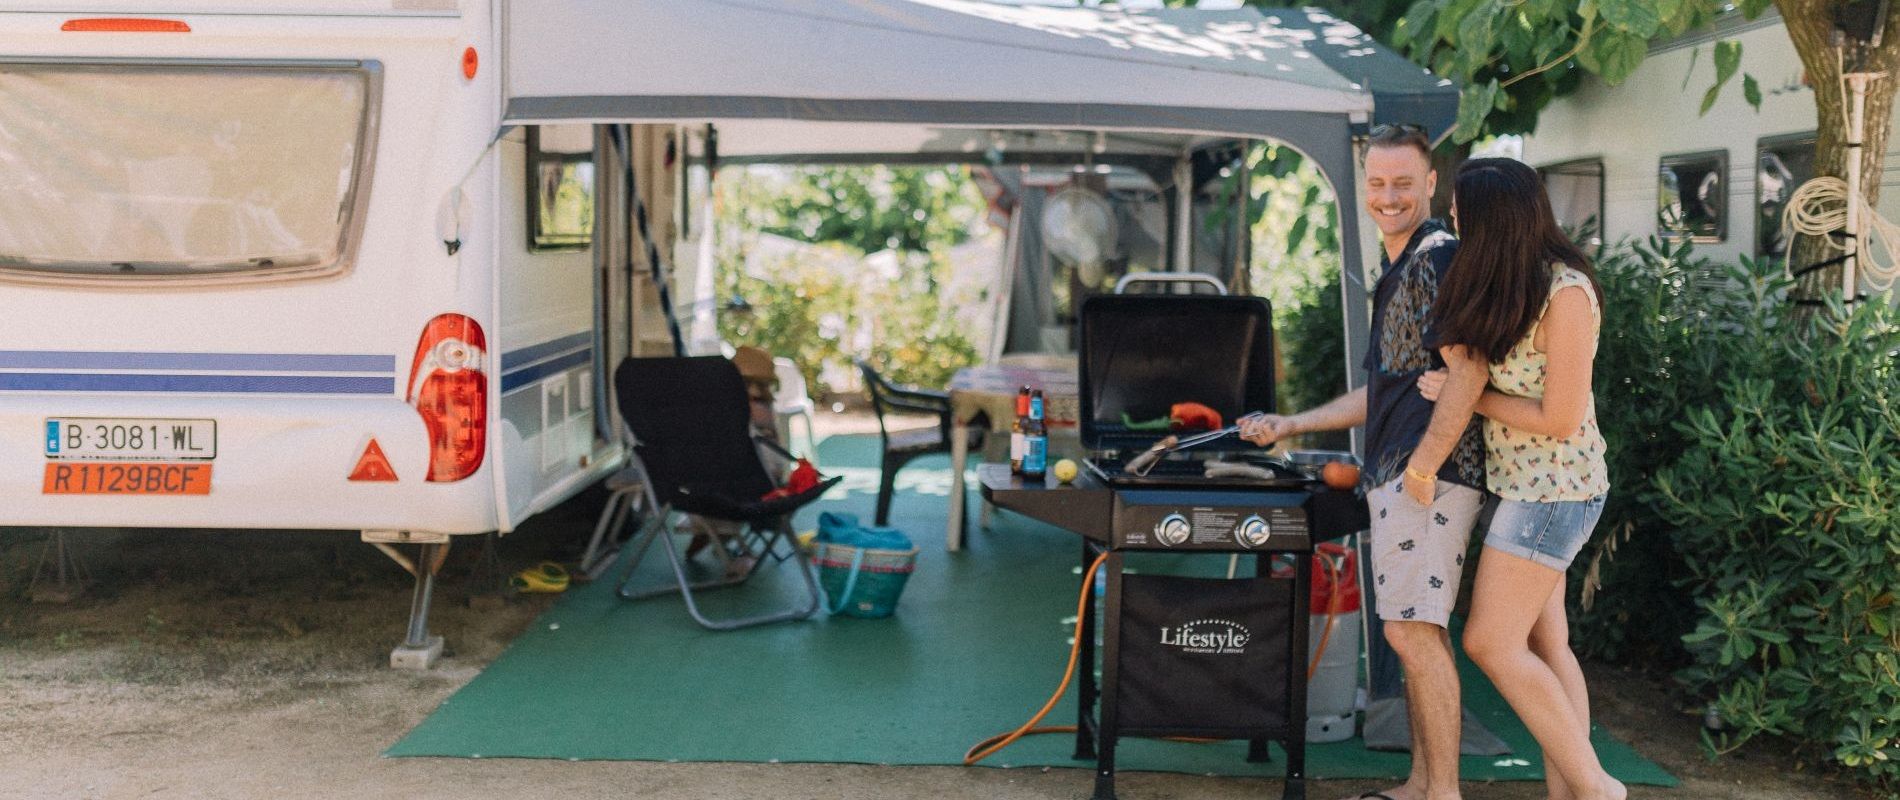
x=982 y=750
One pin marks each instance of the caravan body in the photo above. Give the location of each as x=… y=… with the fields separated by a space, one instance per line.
x=277 y=265
x=1640 y=154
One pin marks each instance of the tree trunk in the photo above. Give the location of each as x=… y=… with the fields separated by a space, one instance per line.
x=1810 y=24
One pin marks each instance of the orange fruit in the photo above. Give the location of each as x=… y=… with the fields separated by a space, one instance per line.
x=1339 y=475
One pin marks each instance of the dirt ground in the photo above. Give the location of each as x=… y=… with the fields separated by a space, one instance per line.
x=251 y=665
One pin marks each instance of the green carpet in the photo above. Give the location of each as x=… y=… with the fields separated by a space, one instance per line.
x=977 y=644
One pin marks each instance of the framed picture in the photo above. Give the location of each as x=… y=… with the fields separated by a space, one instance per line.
x=1692 y=196
x=560 y=189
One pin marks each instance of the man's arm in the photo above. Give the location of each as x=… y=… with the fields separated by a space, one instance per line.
x=1342 y=412
x=1450 y=417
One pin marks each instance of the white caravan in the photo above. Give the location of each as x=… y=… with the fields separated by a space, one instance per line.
x=269 y=264
x=1643 y=161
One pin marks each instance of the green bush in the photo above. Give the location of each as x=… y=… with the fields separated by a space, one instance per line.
x=823 y=322
x=1786 y=514
x=825 y=306
x=1313 y=354
x=1652 y=362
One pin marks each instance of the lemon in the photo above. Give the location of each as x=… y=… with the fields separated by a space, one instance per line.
x=1065 y=470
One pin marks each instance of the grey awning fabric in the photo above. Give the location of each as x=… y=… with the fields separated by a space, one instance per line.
x=1402 y=91
x=1283 y=74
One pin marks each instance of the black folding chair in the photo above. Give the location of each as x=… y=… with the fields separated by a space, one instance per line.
x=690 y=422
x=901 y=446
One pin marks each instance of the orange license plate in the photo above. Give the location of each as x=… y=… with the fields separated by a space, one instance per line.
x=128 y=477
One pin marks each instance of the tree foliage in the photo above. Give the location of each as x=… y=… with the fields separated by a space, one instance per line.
x=874 y=208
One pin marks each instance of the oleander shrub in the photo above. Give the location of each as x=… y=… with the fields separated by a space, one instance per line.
x=1660 y=307
x=1785 y=507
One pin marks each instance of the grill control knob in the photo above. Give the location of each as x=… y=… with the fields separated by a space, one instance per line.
x=1173 y=529
x=1252 y=532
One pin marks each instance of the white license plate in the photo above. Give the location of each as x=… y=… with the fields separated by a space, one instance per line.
x=131 y=439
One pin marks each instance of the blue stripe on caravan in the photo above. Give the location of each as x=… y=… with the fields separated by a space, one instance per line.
x=536 y=352
x=511 y=381
x=252 y=384
x=240 y=362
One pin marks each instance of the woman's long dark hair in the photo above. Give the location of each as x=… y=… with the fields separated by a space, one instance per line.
x=1507 y=239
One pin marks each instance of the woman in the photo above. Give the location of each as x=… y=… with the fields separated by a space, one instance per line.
x=1519 y=310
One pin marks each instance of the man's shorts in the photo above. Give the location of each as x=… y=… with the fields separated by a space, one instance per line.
x=1418 y=552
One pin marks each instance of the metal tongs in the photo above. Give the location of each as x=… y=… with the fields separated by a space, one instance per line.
x=1141 y=464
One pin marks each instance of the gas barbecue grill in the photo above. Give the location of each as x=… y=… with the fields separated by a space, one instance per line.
x=1186 y=656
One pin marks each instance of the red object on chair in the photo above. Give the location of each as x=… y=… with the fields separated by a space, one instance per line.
x=804 y=477
x=1194 y=416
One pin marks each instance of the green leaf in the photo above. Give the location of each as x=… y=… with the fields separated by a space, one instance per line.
x=1728 y=58
x=1753 y=8
x=1474 y=104
x=1695 y=54
x=1751 y=91
x=1477 y=34
x=1634 y=17
x=1614 y=56
x=1294 y=235
x=1417 y=22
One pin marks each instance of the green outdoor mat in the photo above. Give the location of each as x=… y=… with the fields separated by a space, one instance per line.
x=977 y=645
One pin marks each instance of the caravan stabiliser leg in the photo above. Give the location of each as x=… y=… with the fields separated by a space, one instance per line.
x=419 y=650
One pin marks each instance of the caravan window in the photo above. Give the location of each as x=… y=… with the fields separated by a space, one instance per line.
x=1782 y=164
x=147 y=170
x=560 y=187
x=1692 y=196
x=1576 y=197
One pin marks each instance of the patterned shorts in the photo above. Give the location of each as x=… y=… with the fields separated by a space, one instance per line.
x=1418 y=552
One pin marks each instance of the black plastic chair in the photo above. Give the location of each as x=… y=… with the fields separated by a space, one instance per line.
x=691 y=427
x=901 y=446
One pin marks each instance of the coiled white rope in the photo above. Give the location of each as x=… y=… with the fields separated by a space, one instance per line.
x=1819 y=208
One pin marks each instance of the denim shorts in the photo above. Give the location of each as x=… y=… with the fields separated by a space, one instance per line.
x=1550 y=533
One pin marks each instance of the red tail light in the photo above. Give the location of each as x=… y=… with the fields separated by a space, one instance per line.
x=449 y=389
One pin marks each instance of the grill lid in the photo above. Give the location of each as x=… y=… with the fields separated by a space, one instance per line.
x=1141 y=354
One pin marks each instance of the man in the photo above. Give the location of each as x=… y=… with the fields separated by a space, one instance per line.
x=1418 y=550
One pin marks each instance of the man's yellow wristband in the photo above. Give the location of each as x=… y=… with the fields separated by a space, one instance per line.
x=1419 y=476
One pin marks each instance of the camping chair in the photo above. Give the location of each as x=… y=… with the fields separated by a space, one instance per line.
x=901 y=446
x=793 y=401
x=690 y=422
x=625 y=497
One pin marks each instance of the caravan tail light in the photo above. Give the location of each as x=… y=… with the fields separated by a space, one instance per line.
x=449 y=388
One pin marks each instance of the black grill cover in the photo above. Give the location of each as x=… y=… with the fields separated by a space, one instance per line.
x=1204 y=655
x=1141 y=354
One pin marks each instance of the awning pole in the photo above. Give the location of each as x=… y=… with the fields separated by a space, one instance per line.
x=1184 y=214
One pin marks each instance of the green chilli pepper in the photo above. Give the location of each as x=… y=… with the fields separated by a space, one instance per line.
x=1156 y=424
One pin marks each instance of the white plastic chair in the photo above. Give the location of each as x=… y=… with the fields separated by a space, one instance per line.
x=792 y=401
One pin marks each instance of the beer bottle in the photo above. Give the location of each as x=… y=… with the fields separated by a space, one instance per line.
x=1017 y=429
x=1035 y=440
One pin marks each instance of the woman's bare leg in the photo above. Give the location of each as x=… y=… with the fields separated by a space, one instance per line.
x=1509 y=597
x=1550 y=640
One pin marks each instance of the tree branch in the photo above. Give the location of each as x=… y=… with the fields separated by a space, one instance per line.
x=1583 y=38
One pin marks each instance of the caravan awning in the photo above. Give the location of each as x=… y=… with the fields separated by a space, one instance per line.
x=1294 y=75
x=880 y=79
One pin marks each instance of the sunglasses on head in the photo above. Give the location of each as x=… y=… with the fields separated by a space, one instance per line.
x=1385 y=129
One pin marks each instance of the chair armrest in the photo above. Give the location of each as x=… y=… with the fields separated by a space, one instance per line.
x=920 y=396
x=923 y=405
